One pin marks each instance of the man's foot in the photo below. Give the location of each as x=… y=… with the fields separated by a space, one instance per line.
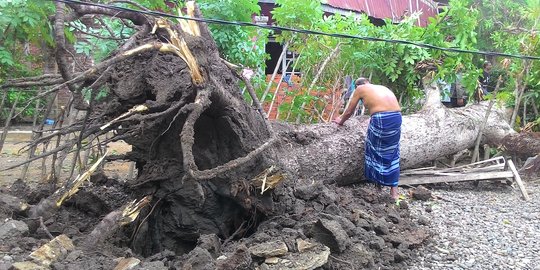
x=394 y=193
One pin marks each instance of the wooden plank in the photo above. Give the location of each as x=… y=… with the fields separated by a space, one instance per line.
x=497 y=160
x=517 y=178
x=499 y=164
x=407 y=180
x=491 y=168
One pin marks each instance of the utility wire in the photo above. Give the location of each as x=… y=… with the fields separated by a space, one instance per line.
x=302 y=31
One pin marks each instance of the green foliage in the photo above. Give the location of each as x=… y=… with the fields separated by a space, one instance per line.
x=22 y=22
x=387 y=63
x=239 y=45
x=98 y=41
x=513 y=27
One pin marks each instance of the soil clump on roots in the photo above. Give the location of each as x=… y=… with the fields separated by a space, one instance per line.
x=354 y=227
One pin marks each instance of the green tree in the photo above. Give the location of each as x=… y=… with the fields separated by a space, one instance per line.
x=239 y=45
x=513 y=27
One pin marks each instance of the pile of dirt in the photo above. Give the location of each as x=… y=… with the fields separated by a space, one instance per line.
x=316 y=225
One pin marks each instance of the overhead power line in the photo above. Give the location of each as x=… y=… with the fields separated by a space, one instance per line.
x=302 y=31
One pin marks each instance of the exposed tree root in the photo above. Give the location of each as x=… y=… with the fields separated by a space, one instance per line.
x=114 y=220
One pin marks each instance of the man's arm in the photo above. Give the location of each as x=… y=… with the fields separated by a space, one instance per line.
x=357 y=95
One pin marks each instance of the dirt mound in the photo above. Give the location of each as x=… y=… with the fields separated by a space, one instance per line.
x=316 y=225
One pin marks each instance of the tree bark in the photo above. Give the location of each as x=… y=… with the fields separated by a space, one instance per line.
x=191 y=140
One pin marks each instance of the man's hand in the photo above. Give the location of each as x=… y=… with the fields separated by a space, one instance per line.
x=337 y=121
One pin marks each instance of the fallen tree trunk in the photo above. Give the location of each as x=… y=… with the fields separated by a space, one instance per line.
x=204 y=154
x=432 y=133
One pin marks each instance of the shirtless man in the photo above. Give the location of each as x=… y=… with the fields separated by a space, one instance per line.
x=381 y=160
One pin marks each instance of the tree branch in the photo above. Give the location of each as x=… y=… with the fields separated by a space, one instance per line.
x=81 y=10
x=61 y=51
x=20 y=83
x=95 y=35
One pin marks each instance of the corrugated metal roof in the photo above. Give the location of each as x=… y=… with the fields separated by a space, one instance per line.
x=393 y=9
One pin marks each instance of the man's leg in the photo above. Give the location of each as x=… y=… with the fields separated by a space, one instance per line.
x=394 y=193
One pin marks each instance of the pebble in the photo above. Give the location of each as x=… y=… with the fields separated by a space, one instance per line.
x=484 y=227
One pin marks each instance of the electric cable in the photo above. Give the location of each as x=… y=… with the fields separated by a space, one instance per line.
x=302 y=31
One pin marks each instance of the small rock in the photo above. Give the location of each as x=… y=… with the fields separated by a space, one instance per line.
x=327 y=196
x=393 y=217
x=318 y=206
x=333 y=209
x=442 y=250
x=423 y=221
x=436 y=257
x=269 y=249
x=362 y=255
x=304 y=245
x=271 y=260
x=58 y=266
x=13 y=228
x=376 y=244
x=74 y=255
x=399 y=256
x=403 y=205
x=387 y=255
x=127 y=263
x=380 y=227
x=5 y=265
x=429 y=209
x=13 y=204
x=128 y=253
x=421 y=193
x=71 y=231
x=331 y=234
x=299 y=207
x=311 y=259
x=363 y=223
x=211 y=243
x=7 y=258
x=403 y=246
x=27 y=266
x=155 y=265
x=307 y=191
x=15 y=250
x=53 y=251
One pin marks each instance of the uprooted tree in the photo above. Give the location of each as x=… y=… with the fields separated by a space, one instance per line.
x=212 y=163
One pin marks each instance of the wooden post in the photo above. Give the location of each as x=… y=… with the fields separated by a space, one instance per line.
x=277 y=92
x=4 y=97
x=285 y=46
x=8 y=122
x=37 y=132
x=517 y=178
x=487 y=150
x=333 y=54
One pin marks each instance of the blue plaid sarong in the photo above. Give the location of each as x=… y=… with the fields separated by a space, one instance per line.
x=381 y=164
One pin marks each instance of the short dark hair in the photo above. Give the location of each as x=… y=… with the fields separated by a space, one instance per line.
x=361 y=81
x=486 y=63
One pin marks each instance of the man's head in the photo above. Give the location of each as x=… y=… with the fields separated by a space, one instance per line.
x=487 y=66
x=361 y=81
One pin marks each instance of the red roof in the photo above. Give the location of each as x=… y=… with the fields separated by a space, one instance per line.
x=392 y=9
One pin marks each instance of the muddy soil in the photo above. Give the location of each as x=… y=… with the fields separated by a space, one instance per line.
x=330 y=227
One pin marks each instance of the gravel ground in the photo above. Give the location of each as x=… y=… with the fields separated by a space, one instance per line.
x=484 y=227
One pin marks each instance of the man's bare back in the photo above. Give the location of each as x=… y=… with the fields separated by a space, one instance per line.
x=377 y=98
